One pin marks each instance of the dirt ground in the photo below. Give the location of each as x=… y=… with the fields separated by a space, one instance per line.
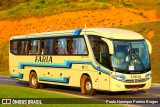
x=71 y=20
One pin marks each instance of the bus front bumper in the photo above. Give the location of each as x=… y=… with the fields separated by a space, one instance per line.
x=116 y=85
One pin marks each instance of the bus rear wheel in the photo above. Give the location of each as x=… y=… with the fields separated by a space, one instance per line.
x=33 y=81
x=86 y=86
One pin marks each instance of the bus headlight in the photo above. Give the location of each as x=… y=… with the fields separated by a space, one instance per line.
x=119 y=77
x=148 y=76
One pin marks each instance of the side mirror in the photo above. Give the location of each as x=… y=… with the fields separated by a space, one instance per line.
x=110 y=45
x=149 y=46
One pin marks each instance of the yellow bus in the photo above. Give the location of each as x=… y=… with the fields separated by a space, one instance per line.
x=107 y=59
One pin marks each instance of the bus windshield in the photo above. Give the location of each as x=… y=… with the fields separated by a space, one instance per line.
x=130 y=55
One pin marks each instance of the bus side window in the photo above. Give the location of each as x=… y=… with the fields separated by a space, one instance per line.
x=56 y=46
x=21 y=47
x=74 y=45
x=29 y=47
x=69 y=45
x=34 y=47
x=104 y=54
x=47 y=47
x=95 y=47
x=42 y=47
x=79 y=46
x=100 y=50
x=62 y=46
x=14 y=47
x=26 y=47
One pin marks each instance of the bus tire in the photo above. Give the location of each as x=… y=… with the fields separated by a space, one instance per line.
x=33 y=81
x=86 y=86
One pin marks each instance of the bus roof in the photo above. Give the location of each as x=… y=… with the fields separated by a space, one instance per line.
x=110 y=33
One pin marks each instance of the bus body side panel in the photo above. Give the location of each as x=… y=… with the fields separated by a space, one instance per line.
x=103 y=81
x=13 y=67
x=57 y=70
x=84 y=69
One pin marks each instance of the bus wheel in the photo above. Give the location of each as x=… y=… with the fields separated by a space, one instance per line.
x=33 y=81
x=86 y=86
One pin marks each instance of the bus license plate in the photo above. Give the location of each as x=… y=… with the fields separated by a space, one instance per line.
x=134 y=89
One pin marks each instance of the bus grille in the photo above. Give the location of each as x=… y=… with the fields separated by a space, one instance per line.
x=135 y=86
x=135 y=81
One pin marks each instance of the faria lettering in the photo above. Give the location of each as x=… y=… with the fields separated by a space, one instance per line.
x=43 y=59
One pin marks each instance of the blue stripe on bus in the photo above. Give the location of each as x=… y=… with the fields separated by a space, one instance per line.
x=60 y=80
x=66 y=64
x=76 y=32
x=16 y=76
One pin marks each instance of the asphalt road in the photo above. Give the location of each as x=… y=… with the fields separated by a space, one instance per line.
x=154 y=92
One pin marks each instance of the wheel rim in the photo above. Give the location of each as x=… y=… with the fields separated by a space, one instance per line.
x=88 y=86
x=34 y=81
